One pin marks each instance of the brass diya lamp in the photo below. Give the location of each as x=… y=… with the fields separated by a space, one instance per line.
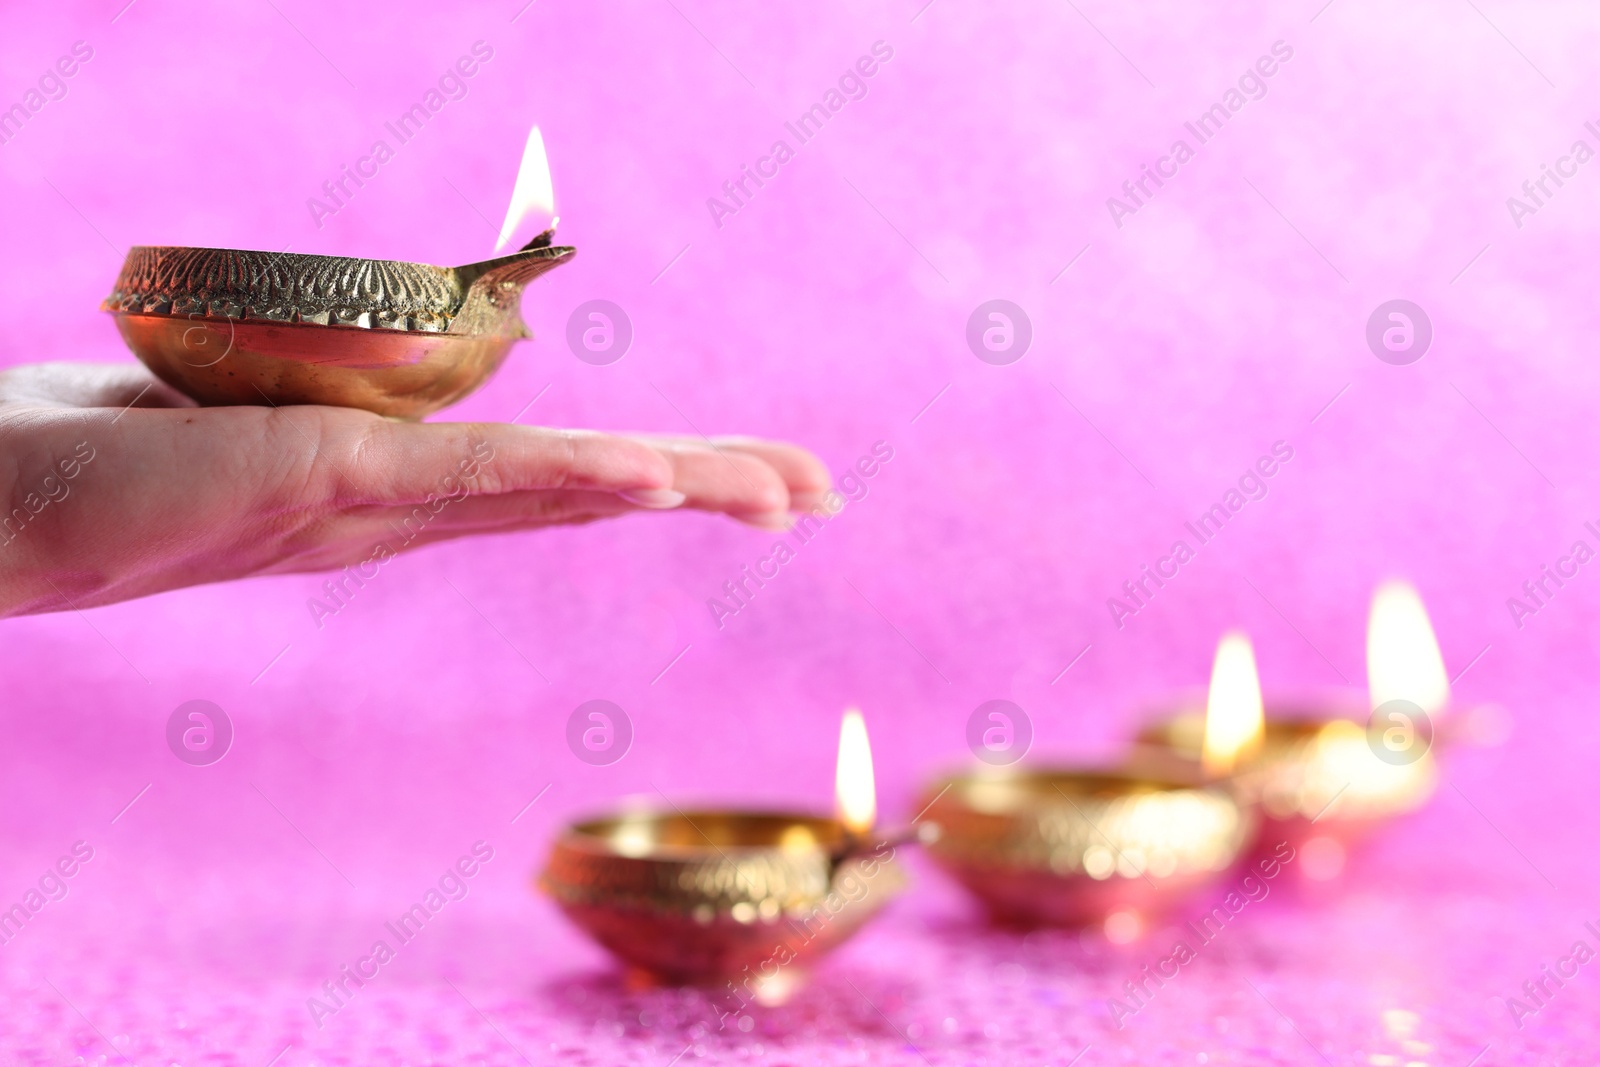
x=226 y=326
x=1327 y=771
x=709 y=894
x=699 y=895
x=1075 y=847
x=1072 y=846
x=1314 y=773
x=231 y=326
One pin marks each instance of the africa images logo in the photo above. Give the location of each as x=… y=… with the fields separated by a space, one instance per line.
x=199 y=732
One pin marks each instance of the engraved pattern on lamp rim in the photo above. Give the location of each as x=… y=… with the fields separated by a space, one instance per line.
x=218 y=283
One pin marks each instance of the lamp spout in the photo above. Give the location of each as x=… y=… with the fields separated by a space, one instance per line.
x=493 y=287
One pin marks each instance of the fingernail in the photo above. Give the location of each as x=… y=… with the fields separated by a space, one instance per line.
x=770 y=520
x=653 y=498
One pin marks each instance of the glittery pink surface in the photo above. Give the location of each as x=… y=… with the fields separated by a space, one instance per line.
x=1173 y=344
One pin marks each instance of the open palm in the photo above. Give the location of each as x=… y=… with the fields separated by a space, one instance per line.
x=116 y=486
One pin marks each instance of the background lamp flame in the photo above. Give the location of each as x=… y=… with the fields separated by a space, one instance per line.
x=1235 y=720
x=854 y=787
x=533 y=197
x=1403 y=658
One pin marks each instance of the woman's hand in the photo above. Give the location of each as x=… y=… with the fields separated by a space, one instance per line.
x=115 y=486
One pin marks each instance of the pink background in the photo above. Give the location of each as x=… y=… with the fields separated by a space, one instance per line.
x=1223 y=316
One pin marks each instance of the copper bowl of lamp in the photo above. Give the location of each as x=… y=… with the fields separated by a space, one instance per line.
x=701 y=895
x=228 y=326
x=1315 y=774
x=1072 y=847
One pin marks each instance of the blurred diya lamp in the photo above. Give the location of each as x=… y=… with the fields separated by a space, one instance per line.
x=1325 y=771
x=1315 y=781
x=229 y=326
x=1070 y=847
x=715 y=894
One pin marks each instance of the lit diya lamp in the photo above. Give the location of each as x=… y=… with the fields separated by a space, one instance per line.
x=1328 y=770
x=1074 y=846
x=232 y=326
x=713 y=893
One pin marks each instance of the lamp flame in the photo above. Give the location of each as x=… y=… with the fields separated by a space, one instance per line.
x=1235 y=721
x=533 y=195
x=854 y=788
x=1403 y=658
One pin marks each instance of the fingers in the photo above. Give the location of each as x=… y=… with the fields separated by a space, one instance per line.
x=377 y=533
x=310 y=459
x=730 y=481
x=494 y=514
x=754 y=481
x=89 y=385
x=377 y=461
x=801 y=472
